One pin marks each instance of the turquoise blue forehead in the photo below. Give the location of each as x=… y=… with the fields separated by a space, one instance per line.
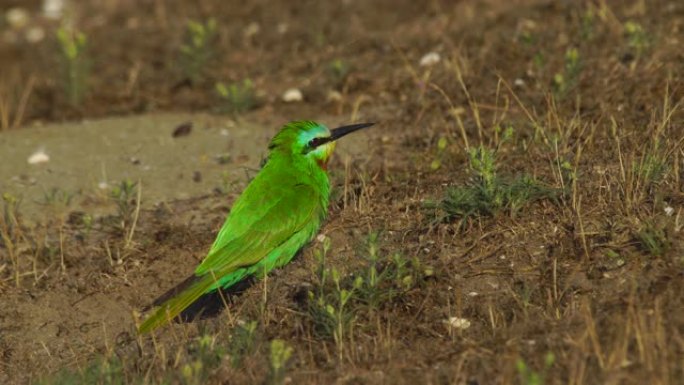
x=311 y=131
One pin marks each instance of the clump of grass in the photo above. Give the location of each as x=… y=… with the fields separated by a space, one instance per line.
x=75 y=64
x=488 y=193
x=652 y=239
x=236 y=98
x=11 y=232
x=198 y=49
x=530 y=377
x=278 y=359
x=566 y=80
x=652 y=168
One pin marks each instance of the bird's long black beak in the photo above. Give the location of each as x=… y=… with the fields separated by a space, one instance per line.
x=339 y=132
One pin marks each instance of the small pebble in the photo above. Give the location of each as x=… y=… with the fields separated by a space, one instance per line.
x=252 y=29
x=35 y=35
x=38 y=157
x=17 y=17
x=458 y=323
x=293 y=95
x=53 y=9
x=334 y=96
x=430 y=59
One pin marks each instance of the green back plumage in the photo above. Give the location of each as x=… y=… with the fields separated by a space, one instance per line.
x=279 y=212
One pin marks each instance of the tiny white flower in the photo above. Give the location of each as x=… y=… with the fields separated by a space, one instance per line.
x=669 y=210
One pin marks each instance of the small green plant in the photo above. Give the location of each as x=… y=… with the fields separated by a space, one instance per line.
x=587 y=24
x=528 y=376
x=651 y=169
x=104 y=371
x=236 y=98
x=279 y=357
x=242 y=342
x=339 y=70
x=441 y=151
x=652 y=239
x=57 y=197
x=11 y=231
x=205 y=355
x=75 y=64
x=489 y=193
x=637 y=38
x=198 y=49
x=335 y=303
x=566 y=80
x=328 y=307
x=125 y=197
x=384 y=277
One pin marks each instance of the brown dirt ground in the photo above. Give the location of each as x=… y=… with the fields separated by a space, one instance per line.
x=570 y=277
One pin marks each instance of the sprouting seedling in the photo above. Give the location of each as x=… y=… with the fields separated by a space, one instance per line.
x=124 y=195
x=637 y=39
x=198 y=49
x=439 y=156
x=236 y=97
x=564 y=81
x=531 y=377
x=279 y=357
x=75 y=64
x=339 y=70
x=587 y=27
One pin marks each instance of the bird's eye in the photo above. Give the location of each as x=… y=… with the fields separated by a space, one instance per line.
x=313 y=143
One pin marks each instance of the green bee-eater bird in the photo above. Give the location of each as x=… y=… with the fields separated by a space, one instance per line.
x=276 y=215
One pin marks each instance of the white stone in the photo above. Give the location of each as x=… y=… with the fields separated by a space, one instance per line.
x=252 y=29
x=53 y=9
x=430 y=59
x=35 y=35
x=458 y=323
x=38 y=157
x=17 y=17
x=293 y=95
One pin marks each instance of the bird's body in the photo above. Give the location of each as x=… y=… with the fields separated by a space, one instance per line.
x=276 y=215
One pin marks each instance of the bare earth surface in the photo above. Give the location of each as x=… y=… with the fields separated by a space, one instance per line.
x=582 y=286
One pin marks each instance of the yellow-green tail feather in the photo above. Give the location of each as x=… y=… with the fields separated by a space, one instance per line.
x=174 y=306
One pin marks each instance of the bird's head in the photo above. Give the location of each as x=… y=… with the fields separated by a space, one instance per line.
x=310 y=140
